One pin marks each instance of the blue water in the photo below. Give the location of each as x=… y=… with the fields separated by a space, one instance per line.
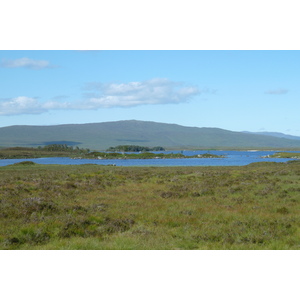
x=233 y=158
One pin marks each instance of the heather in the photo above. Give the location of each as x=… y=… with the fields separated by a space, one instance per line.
x=179 y=208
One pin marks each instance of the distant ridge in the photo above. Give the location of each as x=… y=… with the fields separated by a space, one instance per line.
x=100 y=136
x=276 y=134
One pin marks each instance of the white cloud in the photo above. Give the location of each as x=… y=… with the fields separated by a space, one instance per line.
x=149 y=92
x=20 y=105
x=277 y=92
x=26 y=63
x=154 y=91
x=27 y=105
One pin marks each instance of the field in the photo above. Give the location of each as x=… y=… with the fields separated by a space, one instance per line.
x=105 y=207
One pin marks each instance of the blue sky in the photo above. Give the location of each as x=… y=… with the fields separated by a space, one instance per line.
x=234 y=90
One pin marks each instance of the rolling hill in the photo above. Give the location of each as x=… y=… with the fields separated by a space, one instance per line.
x=100 y=136
x=276 y=134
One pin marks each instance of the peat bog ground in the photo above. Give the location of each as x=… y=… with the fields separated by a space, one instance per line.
x=105 y=207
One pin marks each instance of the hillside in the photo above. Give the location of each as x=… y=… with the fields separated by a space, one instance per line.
x=100 y=136
x=276 y=134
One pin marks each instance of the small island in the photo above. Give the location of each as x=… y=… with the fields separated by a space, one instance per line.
x=294 y=155
x=134 y=148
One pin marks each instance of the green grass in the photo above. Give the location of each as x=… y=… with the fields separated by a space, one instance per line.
x=101 y=207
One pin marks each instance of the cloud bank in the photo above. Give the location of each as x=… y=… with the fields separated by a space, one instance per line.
x=108 y=95
x=26 y=63
x=154 y=91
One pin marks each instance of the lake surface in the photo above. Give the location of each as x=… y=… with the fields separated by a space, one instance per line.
x=233 y=158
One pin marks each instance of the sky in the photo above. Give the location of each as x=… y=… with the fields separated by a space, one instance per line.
x=234 y=90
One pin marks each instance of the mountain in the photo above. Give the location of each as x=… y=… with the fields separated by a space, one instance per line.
x=100 y=136
x=276 y=134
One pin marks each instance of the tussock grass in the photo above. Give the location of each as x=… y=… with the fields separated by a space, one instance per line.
x=101 y=207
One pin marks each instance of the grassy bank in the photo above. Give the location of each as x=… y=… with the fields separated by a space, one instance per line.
x=101 y=207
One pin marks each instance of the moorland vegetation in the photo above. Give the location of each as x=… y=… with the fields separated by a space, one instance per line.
x=101 y=207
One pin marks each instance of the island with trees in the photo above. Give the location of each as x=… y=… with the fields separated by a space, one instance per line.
x=134 y=148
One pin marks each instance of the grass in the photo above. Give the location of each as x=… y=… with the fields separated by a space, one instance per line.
x=101 y=207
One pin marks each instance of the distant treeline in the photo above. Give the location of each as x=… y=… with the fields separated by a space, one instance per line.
x=59 y=150
x=134 y=148
x=62 y=147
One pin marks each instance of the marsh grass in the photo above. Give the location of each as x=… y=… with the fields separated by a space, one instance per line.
x=101 y=207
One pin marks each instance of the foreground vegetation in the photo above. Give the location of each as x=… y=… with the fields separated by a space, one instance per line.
x=100 y=207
